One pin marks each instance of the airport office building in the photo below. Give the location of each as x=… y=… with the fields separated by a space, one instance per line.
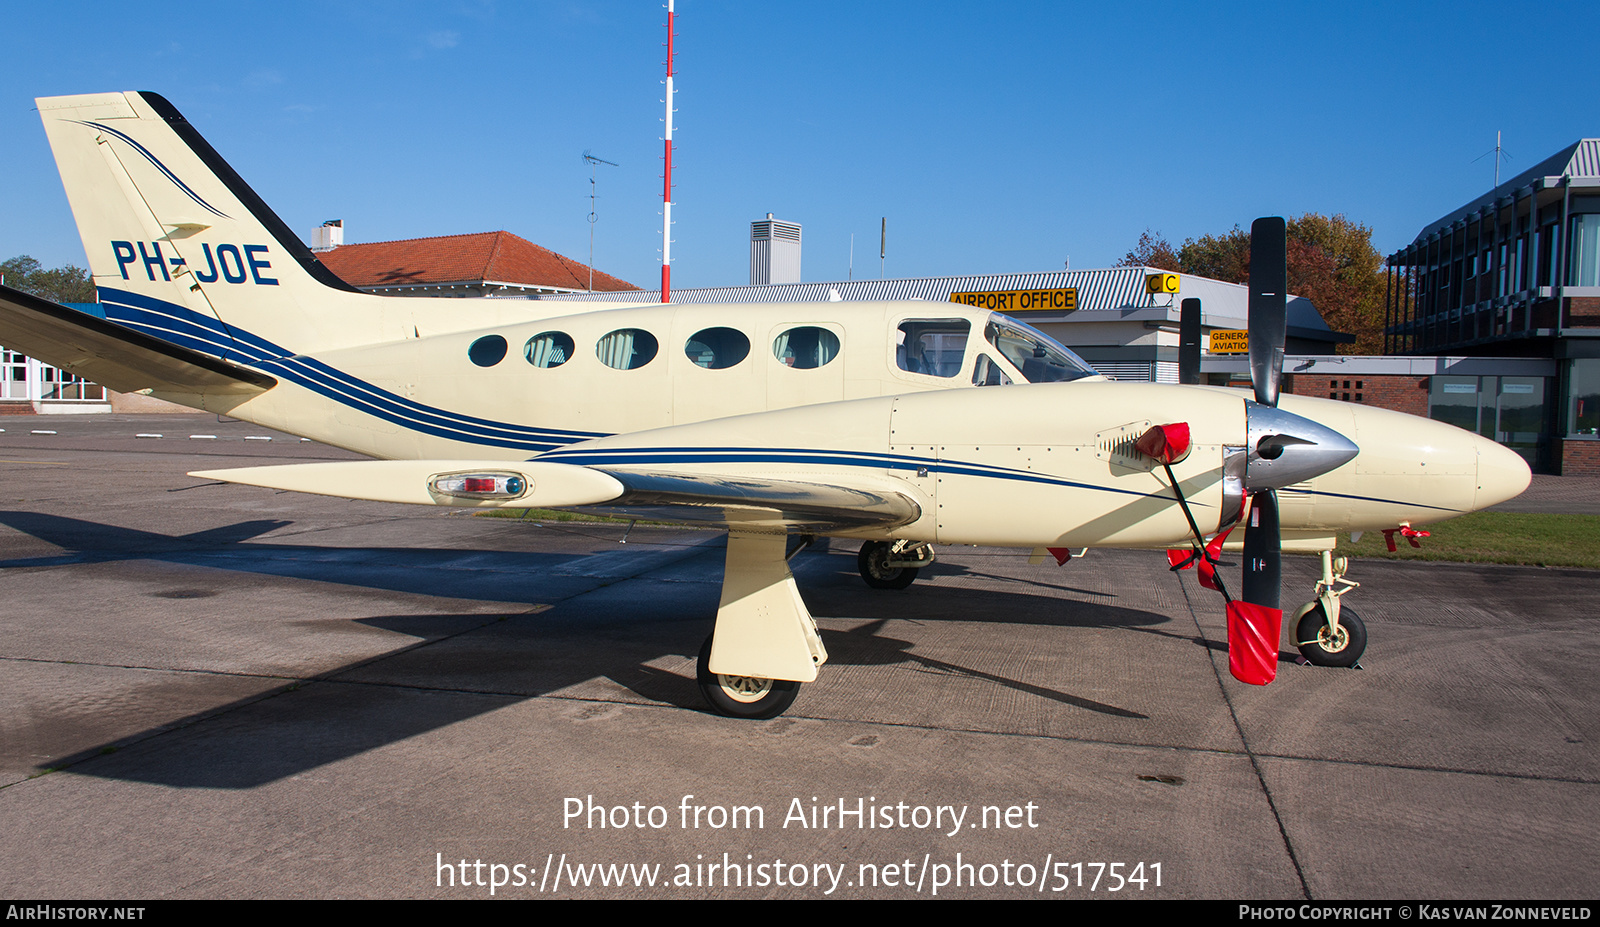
x=1514 y=273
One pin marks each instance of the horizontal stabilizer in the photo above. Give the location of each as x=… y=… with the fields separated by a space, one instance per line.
x=469 y=483
x=115 y=357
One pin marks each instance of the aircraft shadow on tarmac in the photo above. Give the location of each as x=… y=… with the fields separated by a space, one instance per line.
x=463 y=665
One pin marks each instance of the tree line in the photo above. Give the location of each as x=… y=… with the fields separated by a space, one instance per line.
x=67 y=284
x=1331 y=262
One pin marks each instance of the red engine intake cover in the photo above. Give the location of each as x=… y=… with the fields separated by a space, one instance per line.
x=1166 y=443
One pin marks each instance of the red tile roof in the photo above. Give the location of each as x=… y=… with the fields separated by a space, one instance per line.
x=499 y=257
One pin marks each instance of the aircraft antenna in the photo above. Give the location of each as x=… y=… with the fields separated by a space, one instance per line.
x=594 y=167
x=666 y=176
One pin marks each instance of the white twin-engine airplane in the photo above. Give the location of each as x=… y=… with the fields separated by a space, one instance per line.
x=850 y=420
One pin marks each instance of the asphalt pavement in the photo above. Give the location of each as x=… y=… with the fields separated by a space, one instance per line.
x=218 y=691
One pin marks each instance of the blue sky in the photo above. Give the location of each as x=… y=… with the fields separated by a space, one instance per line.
x=995 y=138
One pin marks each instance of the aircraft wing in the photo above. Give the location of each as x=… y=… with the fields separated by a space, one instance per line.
x=718 y=499
x=113 y=356
x=759 y=502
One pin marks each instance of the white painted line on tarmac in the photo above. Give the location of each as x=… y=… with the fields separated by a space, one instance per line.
x=41 y=431
x=147 y=435
x=258 y=437
x=202 y=437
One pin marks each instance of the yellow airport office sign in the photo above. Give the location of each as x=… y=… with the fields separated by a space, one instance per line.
x=1062 y=300
x=1224 y=341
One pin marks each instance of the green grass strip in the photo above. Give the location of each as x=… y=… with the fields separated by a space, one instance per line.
x=1496 y=537
x=1482 y=537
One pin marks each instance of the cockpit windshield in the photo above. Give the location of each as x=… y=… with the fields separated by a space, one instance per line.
x=1040 y=358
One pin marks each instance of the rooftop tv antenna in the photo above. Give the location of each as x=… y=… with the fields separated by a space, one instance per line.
x=1498 y=153
x=594 y=168
x=883 y=244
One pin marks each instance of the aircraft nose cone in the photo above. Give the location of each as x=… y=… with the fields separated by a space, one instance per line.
x=1286 y=448
x=1502 y=474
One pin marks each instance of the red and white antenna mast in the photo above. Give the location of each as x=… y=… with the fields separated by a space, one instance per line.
x=666 y=188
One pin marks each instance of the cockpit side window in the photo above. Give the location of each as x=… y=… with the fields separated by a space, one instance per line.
x=934 y=347
x=1036 y=355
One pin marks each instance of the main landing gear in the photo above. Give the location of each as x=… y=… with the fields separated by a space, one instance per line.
x=765 y=642
x=756 y=697
x=892 y=564
x=1327 y=634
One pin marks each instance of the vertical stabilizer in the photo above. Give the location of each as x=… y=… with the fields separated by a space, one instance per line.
x=179 y=244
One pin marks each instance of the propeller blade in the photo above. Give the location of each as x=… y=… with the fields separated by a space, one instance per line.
x=1255 y=619
x=1283 y=447
x=1253 y=633
x=1263 y=552
x=1189 y=342
x=1269 y=284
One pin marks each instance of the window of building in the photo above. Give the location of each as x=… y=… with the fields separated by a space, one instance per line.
x=1549 y=247
x=548 y=349
x=627 y=348
x=1454 y=400
x=1510 y=410
x=806 y=347
x=1583 y=396
x=717 y=348
x=1519 y=412
x=62 y=385
x=1585 y=250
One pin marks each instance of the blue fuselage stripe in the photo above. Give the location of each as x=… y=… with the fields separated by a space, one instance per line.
x=599 y=457
x=1409 y=505
x=197 y=332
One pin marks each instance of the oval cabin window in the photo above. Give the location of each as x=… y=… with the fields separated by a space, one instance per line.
x=806 y=347
x=487 y=351
x=627 y=348
x=548 y=349
x=717 y=348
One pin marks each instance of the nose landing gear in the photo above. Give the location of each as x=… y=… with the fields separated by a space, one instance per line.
x=1325 y=633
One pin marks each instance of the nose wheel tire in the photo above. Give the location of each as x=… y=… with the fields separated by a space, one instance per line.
x=873 y=562
x=754 y=697
x=1322 y=648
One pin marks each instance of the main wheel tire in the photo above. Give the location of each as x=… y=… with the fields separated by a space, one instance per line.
x=743 y=696
x=1321 y=648
x=873 y=562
